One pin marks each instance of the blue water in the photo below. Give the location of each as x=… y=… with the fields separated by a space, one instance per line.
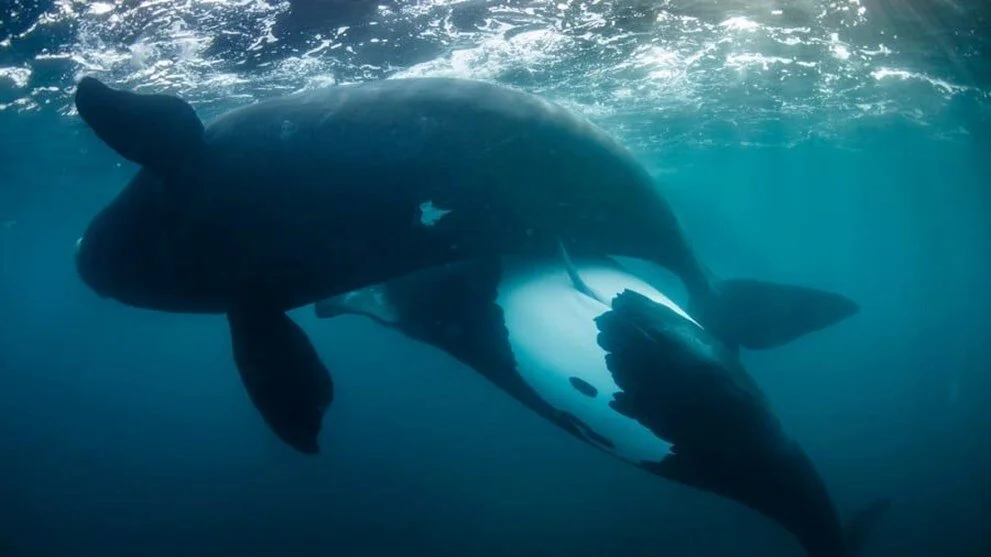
x=127 y=432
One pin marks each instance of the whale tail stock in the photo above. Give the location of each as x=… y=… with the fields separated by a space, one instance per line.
x=862 y=525
x=759 y=315
x=857 y=531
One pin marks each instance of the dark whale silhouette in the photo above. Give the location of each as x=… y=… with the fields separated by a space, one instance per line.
x=299 y=198
x=613 y=361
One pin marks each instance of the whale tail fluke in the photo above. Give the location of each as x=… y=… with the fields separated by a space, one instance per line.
x=159 y=132
x=863 y=524
x=760 y=315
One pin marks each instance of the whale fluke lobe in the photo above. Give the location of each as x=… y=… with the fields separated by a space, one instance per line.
x=862 y=525
x=760 y=315
x=160 y=132
x=283 y=375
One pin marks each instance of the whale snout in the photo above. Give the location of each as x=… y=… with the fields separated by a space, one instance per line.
x=129 y=258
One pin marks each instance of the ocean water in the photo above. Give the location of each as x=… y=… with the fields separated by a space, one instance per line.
x=840 y=144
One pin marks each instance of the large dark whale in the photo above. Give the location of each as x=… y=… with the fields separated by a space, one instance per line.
x=608 y=357
x=296 y=199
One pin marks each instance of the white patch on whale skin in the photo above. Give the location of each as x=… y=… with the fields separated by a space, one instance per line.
x=552 y=334
x=372 y=302
x=431 y=215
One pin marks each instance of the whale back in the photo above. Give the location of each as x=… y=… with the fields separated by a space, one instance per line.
x=288 y=196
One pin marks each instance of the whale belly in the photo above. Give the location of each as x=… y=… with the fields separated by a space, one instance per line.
x=552 y=334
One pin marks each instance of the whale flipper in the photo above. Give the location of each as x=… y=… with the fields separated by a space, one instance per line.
x=159 y=132
x=676 y=378
x=760 y=315
x=283 y=375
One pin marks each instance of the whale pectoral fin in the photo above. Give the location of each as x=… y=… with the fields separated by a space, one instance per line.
x=675 y=378
x=760 y=315
x=159 y=132
x=675 y=384
x=283 y=375
x=651 y=336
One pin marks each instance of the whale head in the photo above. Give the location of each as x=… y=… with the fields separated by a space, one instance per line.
x=124 y=252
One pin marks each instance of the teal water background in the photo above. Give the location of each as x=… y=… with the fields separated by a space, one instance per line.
x=861 y=166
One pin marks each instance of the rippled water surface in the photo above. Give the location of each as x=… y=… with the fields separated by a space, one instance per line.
x=841 y=144
x=813 y=67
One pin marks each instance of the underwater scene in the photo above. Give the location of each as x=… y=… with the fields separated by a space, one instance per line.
x=527 y=278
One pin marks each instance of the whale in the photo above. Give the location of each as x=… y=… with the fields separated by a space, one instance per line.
x=275 y=205
x=612 y=360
